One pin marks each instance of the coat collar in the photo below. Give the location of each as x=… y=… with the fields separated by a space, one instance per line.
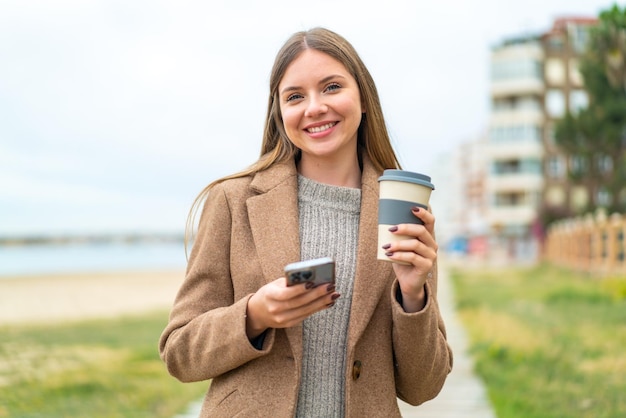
x=273 y=215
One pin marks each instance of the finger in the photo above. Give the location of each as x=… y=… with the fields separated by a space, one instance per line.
x=419 y=232
x=297 y=314
x=281 y=291
x=294 y=297
x=414 y=246
x=317 y=304
x=425 y=216
x=420 y=263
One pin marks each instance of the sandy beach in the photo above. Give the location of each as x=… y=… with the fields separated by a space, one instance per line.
x=59 y=297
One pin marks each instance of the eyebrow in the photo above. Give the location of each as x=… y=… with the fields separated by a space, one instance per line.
x=322 y=81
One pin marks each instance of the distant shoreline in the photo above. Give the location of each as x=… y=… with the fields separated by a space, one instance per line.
x=93 y=253
x=138 y=238
x=75 y=296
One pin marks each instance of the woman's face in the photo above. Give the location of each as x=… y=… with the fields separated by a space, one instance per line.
x=321 y=107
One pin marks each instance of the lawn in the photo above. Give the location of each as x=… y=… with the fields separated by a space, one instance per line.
x=546 y=341
x=96 y=368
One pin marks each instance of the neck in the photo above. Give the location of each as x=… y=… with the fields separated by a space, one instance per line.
x=345 y=173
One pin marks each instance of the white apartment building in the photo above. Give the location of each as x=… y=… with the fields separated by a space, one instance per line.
x=505 y=185
x=514 y=179
x=534 y=79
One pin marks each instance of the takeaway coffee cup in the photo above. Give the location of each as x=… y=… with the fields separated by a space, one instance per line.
x=399 y=191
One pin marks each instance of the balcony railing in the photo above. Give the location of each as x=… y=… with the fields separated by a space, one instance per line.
x=517 y=87
x=523 y=214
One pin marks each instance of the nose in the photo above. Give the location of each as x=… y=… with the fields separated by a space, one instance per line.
x=315 y=107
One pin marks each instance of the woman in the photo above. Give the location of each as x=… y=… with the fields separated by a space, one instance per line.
x=347 y=349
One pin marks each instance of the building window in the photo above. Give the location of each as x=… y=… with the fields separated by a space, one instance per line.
x=509 y=199
x=555 y=103
x=525 y=166
x=527 y=103
x=515 y=133
x=603 y=197
x=578 y=100
x=506 y=167
x=531 y=166
x=555 y=196
x=578 y=164
x=516 y=103
x=555 y=167
x=555 y=71
x=555 y=43
x=579 y=198
x=579 y=36
x=575 y=77
x=516 y=69
x=604 y=164
x=502 y=105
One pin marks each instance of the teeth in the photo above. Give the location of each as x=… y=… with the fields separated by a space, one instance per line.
x=321 y=128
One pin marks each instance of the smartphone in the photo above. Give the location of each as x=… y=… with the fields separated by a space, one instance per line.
x=317 y=271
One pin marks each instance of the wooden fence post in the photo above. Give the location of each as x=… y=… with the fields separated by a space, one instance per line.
x=602 y=236
x=618 y=242
x=591 y=243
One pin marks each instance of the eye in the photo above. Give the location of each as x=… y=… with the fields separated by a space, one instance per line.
x=332 y=87
x=294 y=96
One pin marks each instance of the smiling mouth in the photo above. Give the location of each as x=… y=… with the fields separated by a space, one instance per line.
x=322 y=128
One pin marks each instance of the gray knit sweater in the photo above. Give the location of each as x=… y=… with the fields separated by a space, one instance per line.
x=329 y=227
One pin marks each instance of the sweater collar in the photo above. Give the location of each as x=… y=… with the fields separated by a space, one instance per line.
x=280 y=172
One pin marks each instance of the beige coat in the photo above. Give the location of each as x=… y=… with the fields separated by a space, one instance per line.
x=248 y=232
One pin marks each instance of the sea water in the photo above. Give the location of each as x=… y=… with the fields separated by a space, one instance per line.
x=90 y=257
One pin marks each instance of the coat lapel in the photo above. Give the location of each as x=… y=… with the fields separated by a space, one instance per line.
x=273 y=215
x=371 y=279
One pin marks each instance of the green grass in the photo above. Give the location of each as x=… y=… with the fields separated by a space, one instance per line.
x=546 y=341
x=96 y=368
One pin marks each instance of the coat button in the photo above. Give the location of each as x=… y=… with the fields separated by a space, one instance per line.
x=356 y=370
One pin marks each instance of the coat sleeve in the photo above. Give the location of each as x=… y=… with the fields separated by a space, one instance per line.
x=423 y=358
x=206 y=333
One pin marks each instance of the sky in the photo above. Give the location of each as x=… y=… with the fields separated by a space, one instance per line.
x=115 y=114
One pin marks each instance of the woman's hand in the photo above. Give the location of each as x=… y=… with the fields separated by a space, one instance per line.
x=420 y=252
x=277 y=305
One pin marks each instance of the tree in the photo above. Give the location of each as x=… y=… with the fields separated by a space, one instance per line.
x=595 y=137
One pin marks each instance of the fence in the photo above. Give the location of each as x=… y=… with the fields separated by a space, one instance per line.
x=592 y=243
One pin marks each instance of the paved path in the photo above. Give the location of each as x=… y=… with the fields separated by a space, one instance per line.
x=463 y=395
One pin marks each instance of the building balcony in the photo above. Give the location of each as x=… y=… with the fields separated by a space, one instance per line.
x=515 y=182
x=517 y=116
x=517 y=87
x=508 y=150
x=503 y=216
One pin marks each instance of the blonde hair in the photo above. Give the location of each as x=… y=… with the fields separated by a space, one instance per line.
x=373 y=138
